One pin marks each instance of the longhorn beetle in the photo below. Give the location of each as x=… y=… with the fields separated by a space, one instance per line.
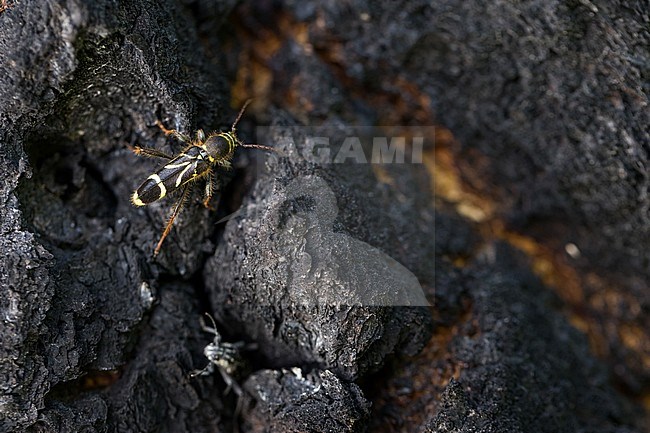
x=226 y=357
x=197 y=160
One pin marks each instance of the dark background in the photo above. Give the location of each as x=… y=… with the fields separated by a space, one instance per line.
x=527 y=225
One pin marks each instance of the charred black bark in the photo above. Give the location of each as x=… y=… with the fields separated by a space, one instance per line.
x=326 y=267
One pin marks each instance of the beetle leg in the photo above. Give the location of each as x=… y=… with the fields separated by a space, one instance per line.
x=176 y=134
x=177 y=209
x=150 y=152
x=209 y=189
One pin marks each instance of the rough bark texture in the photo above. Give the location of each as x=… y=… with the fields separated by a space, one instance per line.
x=545 y=114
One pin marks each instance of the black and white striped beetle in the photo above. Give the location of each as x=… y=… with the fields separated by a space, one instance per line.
x=197 y=160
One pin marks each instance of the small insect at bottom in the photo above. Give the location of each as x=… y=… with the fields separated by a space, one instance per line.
x=196 y=161
x=226 y=357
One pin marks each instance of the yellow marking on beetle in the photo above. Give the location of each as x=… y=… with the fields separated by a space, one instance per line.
x=210 y=157
x=163 y=190
x=180 y=176
x=135 y=198
x=231 y=141
x=182 y=164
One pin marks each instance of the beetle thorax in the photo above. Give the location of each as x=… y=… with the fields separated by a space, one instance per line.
x=221 y=146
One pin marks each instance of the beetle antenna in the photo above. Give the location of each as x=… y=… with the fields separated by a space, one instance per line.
x=241 y=112
x=259 y=146
x=214 y=324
